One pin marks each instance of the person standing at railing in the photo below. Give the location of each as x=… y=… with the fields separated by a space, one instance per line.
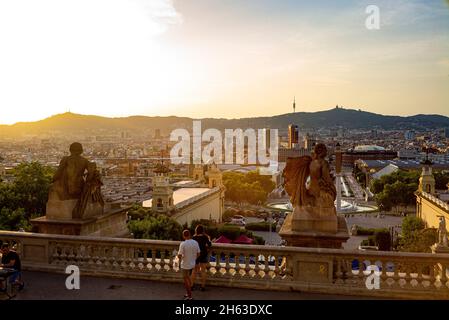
x=201 y=262
x=188 y=252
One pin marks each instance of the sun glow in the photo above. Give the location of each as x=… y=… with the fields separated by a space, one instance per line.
x=86 y=56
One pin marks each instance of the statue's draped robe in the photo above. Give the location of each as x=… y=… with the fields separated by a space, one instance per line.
x=295 y=176
x=91 y=193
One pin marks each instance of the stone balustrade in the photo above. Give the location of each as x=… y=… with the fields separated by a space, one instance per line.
x=332 y=271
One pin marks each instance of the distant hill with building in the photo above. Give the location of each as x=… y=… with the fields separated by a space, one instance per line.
x=336 y=117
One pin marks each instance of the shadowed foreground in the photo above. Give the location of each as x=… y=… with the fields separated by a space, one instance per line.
x=40 y=285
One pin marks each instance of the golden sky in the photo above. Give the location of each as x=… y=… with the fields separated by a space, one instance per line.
x=214 y=58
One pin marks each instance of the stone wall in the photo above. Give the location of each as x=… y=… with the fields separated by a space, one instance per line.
x=331 y=271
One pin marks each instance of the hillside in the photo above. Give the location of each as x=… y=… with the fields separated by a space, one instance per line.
x=337 y=117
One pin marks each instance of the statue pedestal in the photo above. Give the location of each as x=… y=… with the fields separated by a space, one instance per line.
x=63 y=209
x=325 y=232
x=110 y=224
x=323 y=219
x=60 y=209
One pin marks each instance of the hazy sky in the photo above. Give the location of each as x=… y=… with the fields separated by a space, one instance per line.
x=220 y=58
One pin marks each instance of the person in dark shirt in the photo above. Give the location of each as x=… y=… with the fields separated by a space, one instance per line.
x=201 y=262
x=10 y=259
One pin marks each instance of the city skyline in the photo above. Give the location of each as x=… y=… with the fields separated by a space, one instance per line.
x=218 y=59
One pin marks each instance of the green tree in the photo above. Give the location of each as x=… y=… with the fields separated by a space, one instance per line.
x=441 y=179
x=13 y=220
x=251 y=187
x=383 y=239
x=396 y=189
x=419 y=241
x=137 y=212
x=415 y=237
x=156 y=226
x=410 y=225
x=31 y=185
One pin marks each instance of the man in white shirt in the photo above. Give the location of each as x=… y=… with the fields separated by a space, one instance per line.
x=189 y=250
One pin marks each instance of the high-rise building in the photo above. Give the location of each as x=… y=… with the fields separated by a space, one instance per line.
x=409 y=135
x=446 y=132
x=293 y=135
x=309 y=142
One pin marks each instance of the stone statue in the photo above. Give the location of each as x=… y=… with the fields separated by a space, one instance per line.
x=308 y=181
x=76 y=189
x=91 y=191
x=68 y=181
x=442 y=232
x=314 y=221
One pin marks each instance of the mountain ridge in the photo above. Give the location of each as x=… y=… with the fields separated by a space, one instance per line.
x=332 y=118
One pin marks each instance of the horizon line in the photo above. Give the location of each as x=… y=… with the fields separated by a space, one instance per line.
x=217 y=118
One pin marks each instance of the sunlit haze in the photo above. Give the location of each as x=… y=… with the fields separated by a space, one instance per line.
x=215 y=58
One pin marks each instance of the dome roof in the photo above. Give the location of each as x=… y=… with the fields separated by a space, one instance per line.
x=369 y=148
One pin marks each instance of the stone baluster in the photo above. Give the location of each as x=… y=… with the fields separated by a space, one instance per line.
x=361 y=275
x=266 y=268
x=276 y=270
x=170 y=261
x=246 y=264
x=256 y=265
x=153 y=258
x=54 y=257
x=237 y=265
x=113 y=258
x=384 y=272
x=80 y=255
x=62 y=255
x=146 y=260
x=433 y=276
x=396 y=276
x=443 y=276
x=103 y=257
x=408 y=275
x=227 y=265
x=163 y=260
x=339 y=271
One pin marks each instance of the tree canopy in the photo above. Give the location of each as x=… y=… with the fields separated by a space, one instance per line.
x=396 y=189
x=155 y=226
x=25 y=197
x=251 y=187
x=415 y=237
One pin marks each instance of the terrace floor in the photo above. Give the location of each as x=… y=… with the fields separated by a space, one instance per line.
x=51 y=286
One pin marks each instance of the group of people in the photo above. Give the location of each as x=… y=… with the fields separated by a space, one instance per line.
x=11 y=260
x=193 y=255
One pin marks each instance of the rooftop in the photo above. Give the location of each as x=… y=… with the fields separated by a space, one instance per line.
x=369 y=148
x=405 y=164
x=184 y=195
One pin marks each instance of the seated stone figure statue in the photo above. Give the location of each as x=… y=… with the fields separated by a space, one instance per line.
x=76 y=183
x=68 y=181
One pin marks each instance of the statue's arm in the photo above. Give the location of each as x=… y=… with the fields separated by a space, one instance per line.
x=60 y=170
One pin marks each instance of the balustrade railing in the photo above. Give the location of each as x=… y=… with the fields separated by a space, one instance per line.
x=333 y=271
x=436 y=200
